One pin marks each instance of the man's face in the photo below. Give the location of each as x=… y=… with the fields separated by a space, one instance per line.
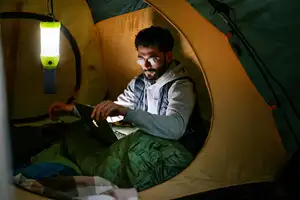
x=152 y=61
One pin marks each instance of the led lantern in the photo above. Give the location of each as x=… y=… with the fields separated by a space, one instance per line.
x=50 y=35
x=50 y=41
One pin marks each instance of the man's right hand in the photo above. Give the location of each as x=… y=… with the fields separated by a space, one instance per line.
x=57 y=107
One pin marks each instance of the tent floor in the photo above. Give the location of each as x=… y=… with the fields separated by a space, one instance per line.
x=253 y=191
x=286 y=186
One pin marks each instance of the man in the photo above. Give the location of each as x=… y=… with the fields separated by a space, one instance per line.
x=161 y=100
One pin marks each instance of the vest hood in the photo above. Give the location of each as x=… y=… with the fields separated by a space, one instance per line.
x=175 y=71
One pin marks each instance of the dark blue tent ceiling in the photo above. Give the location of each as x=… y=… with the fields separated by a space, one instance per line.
x=273 y=29
x=105 y=9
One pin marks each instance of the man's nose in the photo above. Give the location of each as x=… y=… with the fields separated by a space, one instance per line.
x=147 y=64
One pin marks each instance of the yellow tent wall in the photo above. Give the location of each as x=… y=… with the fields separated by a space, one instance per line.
x=243 y=144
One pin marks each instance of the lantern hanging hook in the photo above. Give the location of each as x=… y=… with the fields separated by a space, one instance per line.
x=50 y=9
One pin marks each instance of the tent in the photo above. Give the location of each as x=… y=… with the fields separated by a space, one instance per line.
x=243 y=144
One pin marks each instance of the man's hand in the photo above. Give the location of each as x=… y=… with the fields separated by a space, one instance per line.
x=108 y=108
x=59 y=107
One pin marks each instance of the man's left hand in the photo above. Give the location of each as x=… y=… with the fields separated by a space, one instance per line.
x=108 y=108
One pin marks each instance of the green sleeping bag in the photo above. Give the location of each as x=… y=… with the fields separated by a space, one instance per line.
x=139 y=160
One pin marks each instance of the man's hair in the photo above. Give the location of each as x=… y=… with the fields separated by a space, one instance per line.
x=155 y=36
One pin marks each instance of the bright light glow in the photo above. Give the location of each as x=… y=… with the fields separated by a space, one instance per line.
x=153 y=61
x=114 y=119
x=50 y=35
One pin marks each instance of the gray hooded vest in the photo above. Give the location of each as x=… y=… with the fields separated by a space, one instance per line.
x=193 y=137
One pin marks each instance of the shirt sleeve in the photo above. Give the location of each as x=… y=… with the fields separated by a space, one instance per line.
x=182 y=97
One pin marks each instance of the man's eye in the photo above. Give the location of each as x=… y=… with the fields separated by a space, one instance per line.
x=152 y=60
x=140 y=61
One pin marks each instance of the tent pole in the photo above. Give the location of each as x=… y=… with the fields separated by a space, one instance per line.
x=5 y=173
x=10 y=47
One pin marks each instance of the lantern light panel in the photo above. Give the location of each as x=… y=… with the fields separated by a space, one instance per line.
x=50 y=42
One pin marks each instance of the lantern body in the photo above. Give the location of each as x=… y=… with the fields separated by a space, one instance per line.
x=50 y=41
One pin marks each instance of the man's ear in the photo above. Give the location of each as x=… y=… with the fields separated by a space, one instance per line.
x=169 y=56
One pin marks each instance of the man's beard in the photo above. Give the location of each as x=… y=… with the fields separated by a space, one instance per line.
x=154 y=74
